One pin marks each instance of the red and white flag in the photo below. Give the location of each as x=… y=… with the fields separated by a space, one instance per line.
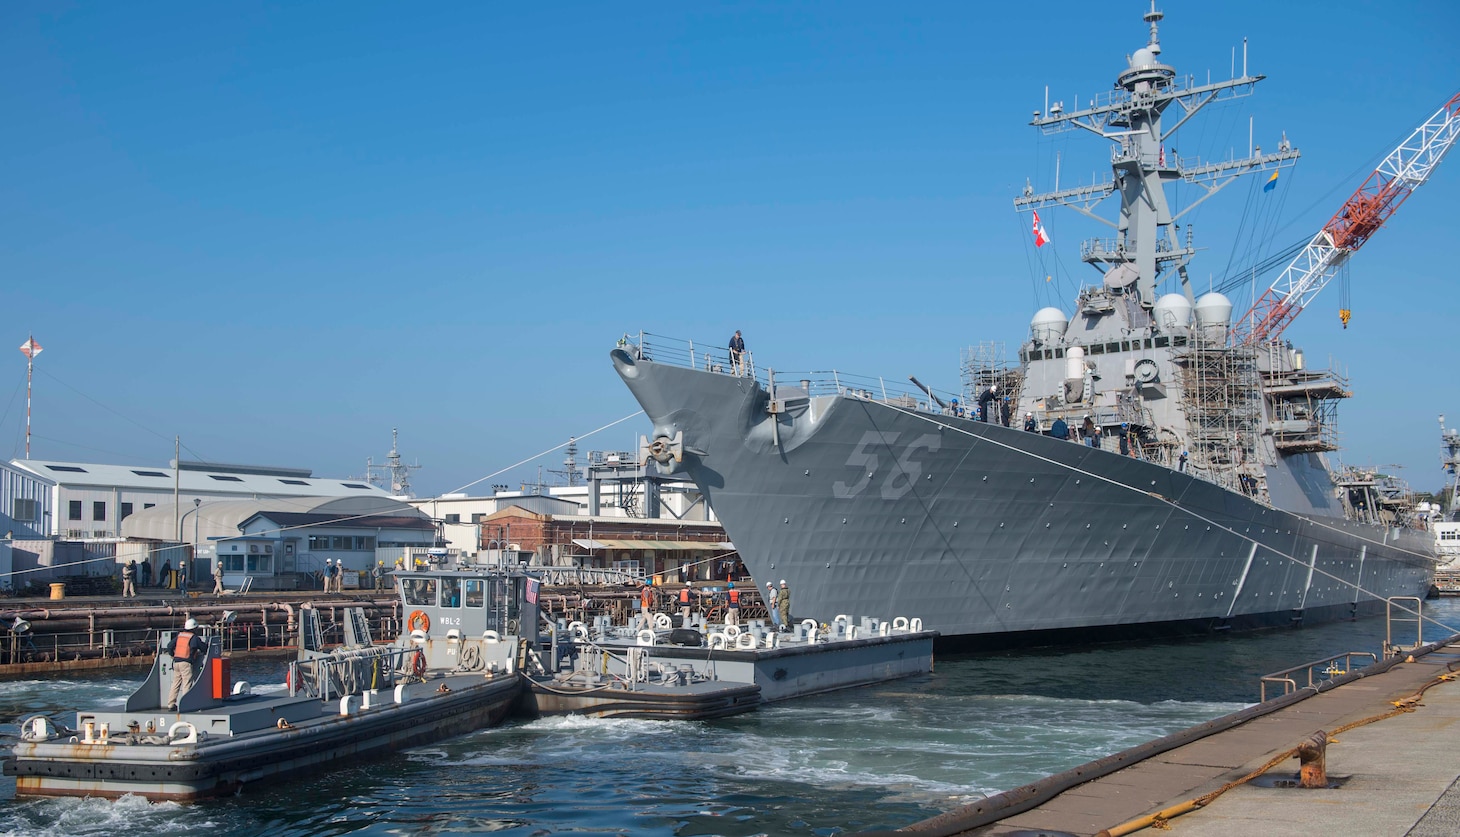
x=1041 y=237
x=30 y=348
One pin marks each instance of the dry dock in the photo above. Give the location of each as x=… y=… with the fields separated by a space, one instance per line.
x=1393 y=768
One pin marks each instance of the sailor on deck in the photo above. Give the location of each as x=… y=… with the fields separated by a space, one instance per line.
x=188 y=652
x=988 y=409
x=737 y=354
x=732 y=612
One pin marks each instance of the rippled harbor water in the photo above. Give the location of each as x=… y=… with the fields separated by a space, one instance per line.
x=868 y=758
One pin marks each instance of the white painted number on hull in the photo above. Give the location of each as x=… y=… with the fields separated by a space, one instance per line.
x=900 y=477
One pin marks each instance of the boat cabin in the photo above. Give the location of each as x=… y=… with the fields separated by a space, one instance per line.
x=468 y=602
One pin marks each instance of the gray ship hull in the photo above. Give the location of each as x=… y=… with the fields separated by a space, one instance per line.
x=996 y=536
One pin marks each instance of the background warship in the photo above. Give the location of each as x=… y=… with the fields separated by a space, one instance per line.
x=1192 y=492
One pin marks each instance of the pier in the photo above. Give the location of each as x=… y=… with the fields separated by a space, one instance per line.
x=1378 y=740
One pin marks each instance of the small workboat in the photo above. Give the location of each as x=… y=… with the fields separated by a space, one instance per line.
x=451 y=671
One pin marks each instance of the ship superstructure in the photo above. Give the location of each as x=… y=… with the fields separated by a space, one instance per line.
x=1134 y=470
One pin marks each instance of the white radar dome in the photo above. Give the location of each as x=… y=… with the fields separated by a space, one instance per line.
x=1173 y=314
x=1142 y=58
x=1048 y=325
x=1213 y=313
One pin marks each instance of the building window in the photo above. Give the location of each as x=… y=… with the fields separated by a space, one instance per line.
x=73 y=510
x=453 y=518
x=149 y=505
x=225 y=479
x=98 y=510
x=125 y=512
x=24 y=510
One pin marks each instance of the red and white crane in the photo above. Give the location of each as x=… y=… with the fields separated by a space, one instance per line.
x=1404 y=170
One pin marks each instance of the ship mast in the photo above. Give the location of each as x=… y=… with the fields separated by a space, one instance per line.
x=1146 y=249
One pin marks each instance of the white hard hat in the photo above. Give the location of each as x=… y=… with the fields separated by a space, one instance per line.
x=783 y=582
x=190 y=624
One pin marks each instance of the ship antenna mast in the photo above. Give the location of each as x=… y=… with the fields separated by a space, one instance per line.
x=399 y=473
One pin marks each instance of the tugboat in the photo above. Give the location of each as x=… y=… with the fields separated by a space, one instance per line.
x=453 y=670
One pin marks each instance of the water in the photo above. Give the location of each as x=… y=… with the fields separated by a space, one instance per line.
x=878 y=757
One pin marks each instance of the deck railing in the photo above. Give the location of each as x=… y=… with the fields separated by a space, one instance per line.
x=689 y=354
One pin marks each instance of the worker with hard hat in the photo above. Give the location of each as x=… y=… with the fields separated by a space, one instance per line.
x=189 y=652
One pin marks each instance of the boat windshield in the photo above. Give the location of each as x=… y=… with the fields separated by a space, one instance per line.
x=475 y=592
x=420 y=592
x=450 y=592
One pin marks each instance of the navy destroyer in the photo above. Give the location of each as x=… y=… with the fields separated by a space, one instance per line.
x=1148 y=466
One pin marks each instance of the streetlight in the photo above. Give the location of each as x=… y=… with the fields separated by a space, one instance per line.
x=197 y=504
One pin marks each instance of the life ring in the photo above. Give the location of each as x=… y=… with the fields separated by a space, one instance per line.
x=418 y=664
x=425 y=621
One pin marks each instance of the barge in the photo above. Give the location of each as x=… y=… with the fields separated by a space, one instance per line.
x=453 y=671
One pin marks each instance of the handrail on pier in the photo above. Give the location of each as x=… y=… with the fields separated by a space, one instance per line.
x=1329 y=667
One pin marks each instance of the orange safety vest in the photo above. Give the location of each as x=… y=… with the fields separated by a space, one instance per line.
x=646 y=597
x=183 y=649
x=734 y=597
x=684 y=596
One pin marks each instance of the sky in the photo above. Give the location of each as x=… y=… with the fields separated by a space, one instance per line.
x=278 y=231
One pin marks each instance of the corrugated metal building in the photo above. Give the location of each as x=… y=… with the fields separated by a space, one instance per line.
x=89 y=500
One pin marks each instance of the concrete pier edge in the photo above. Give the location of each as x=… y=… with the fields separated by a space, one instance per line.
x=1002 y=806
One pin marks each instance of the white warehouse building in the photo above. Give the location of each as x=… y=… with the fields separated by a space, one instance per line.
x=88 y=501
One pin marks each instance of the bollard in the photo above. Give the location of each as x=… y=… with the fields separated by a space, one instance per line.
x=1313 y=771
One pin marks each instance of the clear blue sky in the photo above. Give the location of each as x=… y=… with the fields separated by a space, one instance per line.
x=279 y=231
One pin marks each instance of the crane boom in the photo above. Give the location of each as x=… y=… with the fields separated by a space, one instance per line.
x=1404 y=170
